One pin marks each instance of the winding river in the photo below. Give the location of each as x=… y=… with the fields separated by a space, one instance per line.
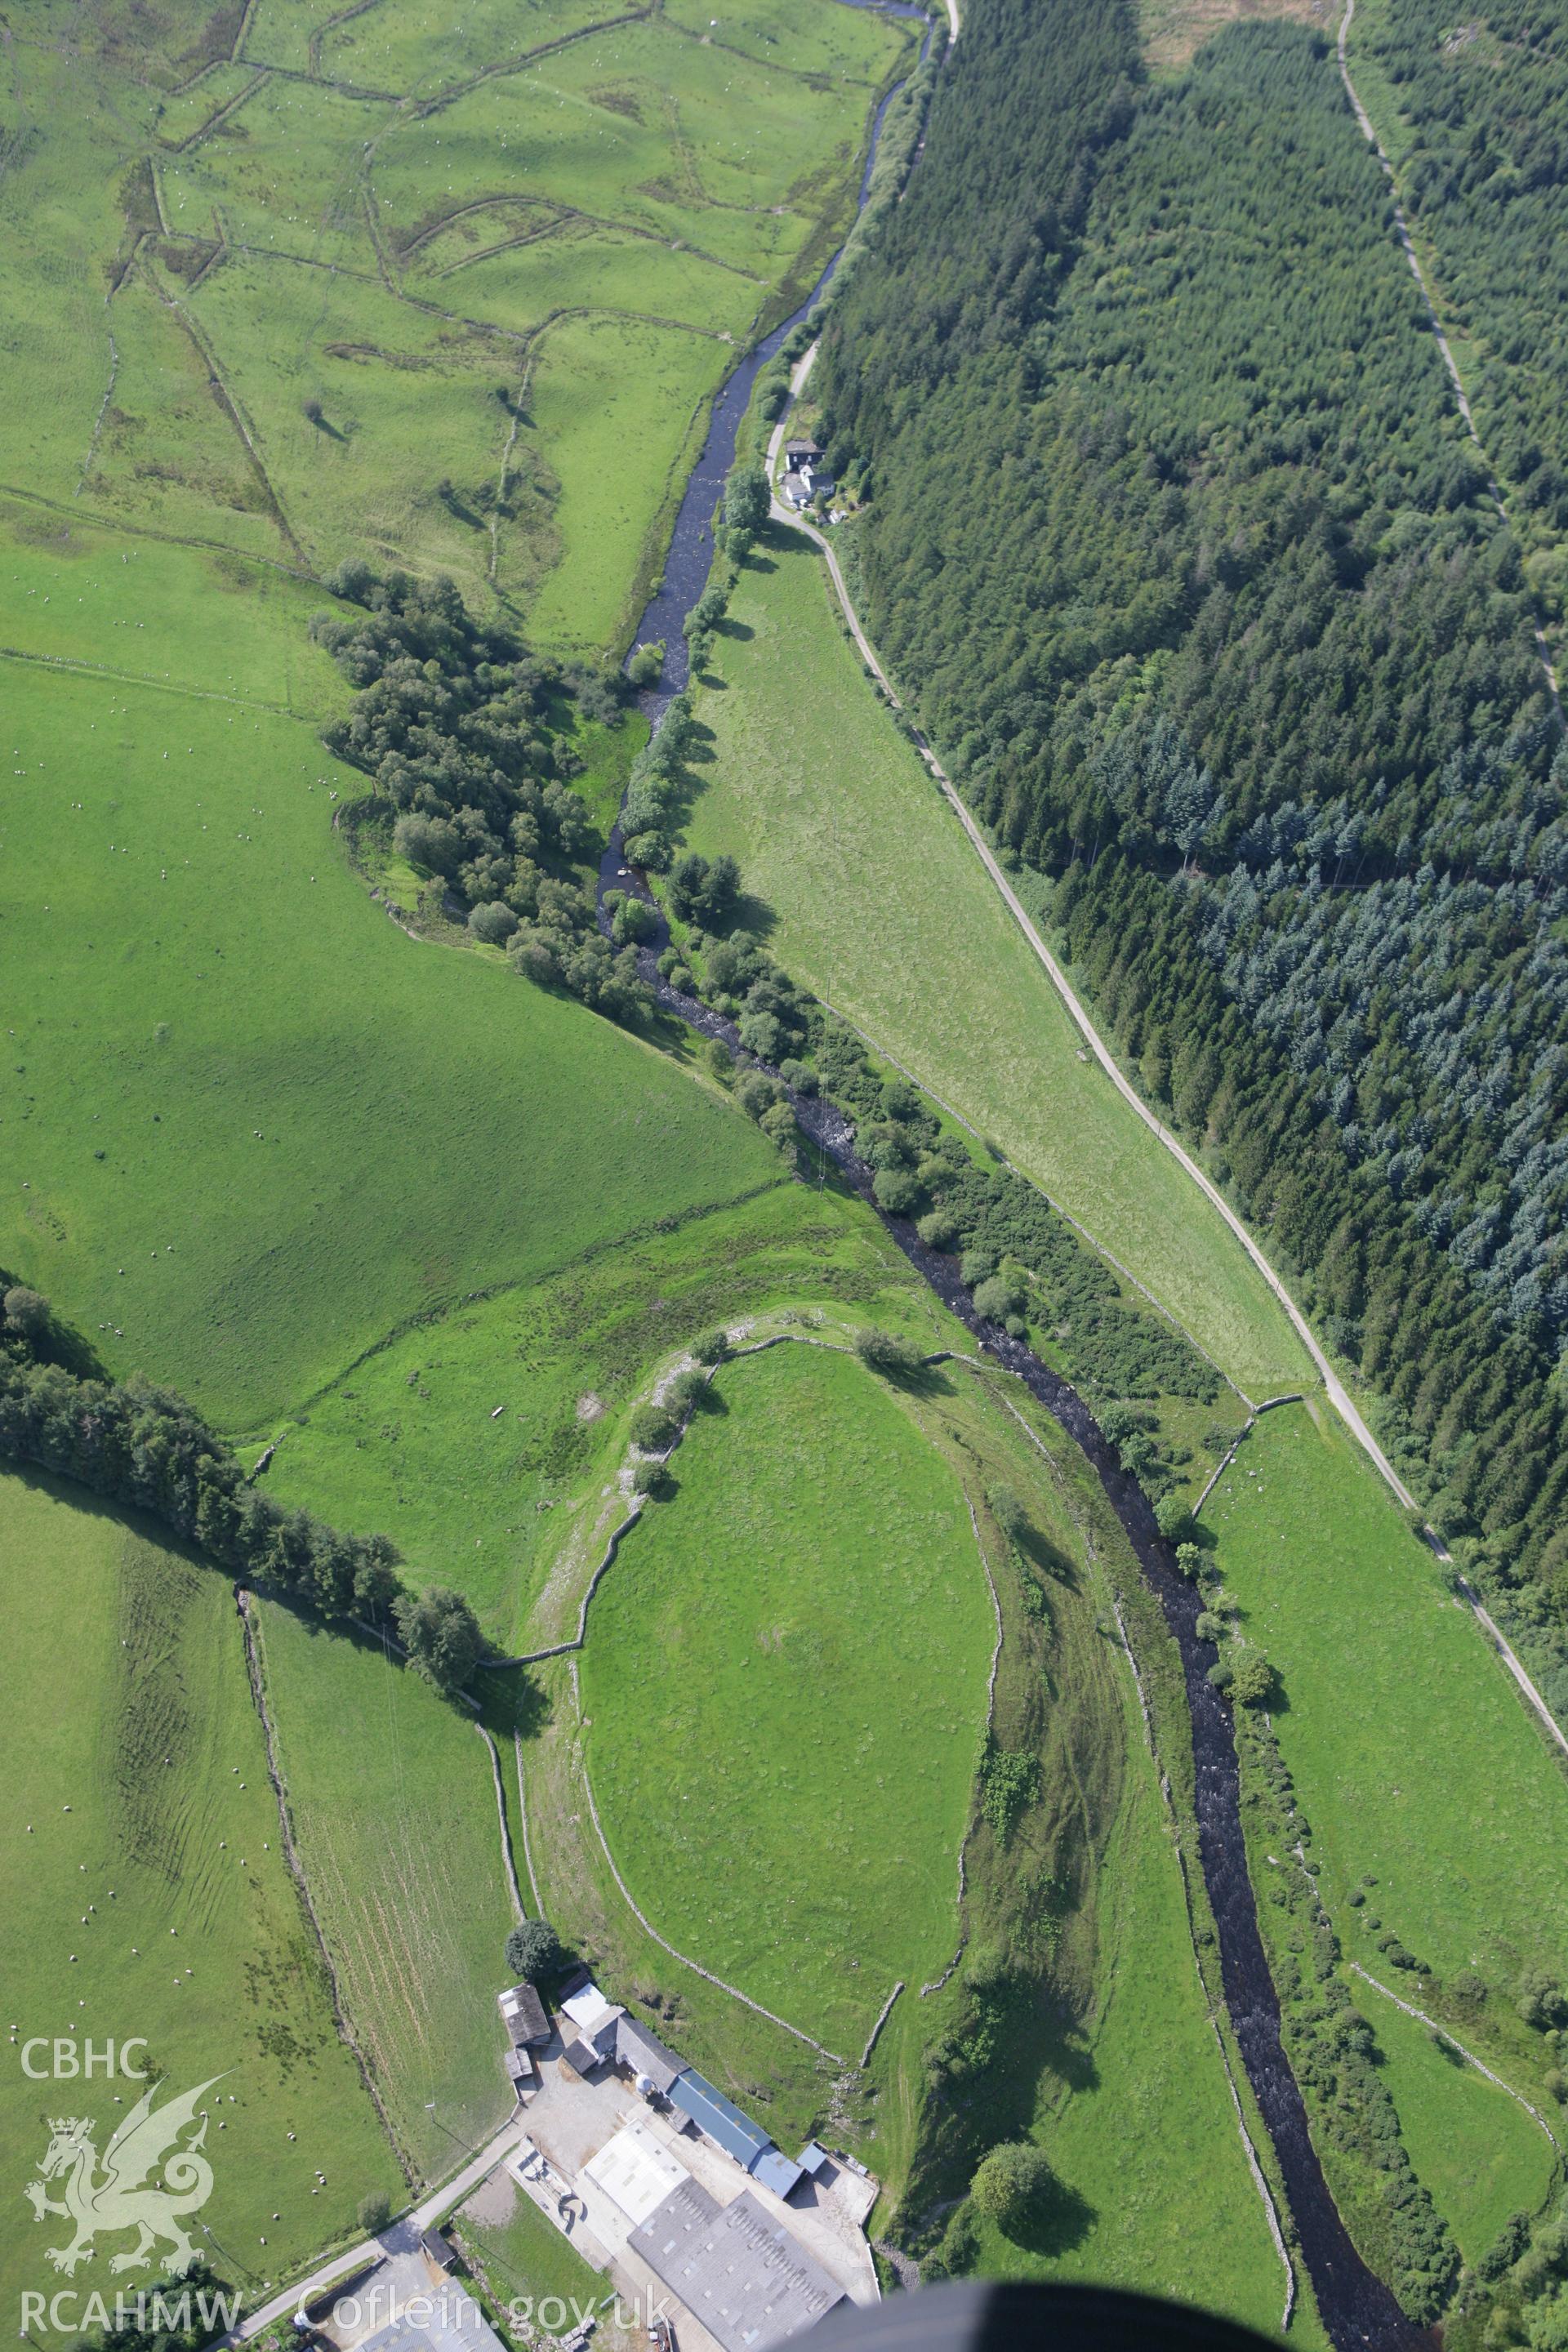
x=1356 y=2306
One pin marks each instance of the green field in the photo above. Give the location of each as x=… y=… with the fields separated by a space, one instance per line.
x=253 y=1127
x=411 y=1441
x=136 y=1784
x=1413 y=1757
x=521 y=2254
x=881 y=904
x=1475 y=2148
x=450 y=289
x=395 y=1811
x=1148 y=2116
x=797 y=1645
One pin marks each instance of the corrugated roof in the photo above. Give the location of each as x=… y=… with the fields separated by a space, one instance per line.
x=645 y=2054
x=774 y=2169
x=524 y=2012
x=750 y=2282
x=718 y=2117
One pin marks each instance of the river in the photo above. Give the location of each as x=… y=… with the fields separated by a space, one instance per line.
x=1357 y=2308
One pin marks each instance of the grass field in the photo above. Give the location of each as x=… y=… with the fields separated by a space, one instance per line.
x=878 y=902
x=1475 y=2148
x=453 y=287
x=251 y=1127
x=1413 y=1757
x=410 y=1441
x=394 y=1811
x=1147 y=2117
x=136 y=1784
x=523 y=2255
x=798 y=1644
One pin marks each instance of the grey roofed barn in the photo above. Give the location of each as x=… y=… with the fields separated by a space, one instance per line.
x=750 y=2282
x=523 y=2014
x=720 y=2118
x=645 y=2054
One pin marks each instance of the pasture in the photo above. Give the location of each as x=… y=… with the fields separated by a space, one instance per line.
x=1478 y=2153
x=453 y=293
x=796 y=1645
x=253 y=1129
x=395 y=1812
x=481 y=1441
x=1412 y=1759
x=872 y=896
x=147 y=1897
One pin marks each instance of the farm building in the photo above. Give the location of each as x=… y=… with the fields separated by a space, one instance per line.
x=438 y=2252
x=594 y=2018
x=579 y=2057
x=720 y=2118
x=521 y=2070
x=743 y=2275
x=524 y=2015
x=642 y=2053
x=636 y=2171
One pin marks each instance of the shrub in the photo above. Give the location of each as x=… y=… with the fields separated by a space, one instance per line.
x=1221 y=1675
x=1208 y=1627
x=532 y=1950
x=1174 y=1520
x=937 y=1230
x=688 y=1390
x=653 y=1428
x=650 y=852
x=374 y=2212
x=1541 y=2004
x=494 y=923
x=1010 y=1782
x=1253 y=1679
x=719 y=1060
x=896 y=1191
x=27 y=1311
x=1189 y=1559
x=429 y=841
x=998 y=1297
x=887 y=1352
x=646 y=666
x=441 y=1635
x=1008 y=1511
x=713 y=1346
x=757 y=1093
x=1013 y=2184
x=703 y=890
x=649 y=1478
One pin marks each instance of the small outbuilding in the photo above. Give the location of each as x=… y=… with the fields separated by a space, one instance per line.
x=524 y=2015
x=579 y=2057
x=775 y=2171
x=440 y=2255
x=521 y=2072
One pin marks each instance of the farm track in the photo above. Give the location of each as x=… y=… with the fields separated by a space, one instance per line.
x=1338 y=1396
x=139 y=679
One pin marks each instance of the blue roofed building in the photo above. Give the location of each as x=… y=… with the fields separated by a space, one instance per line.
x=720 y=2118
x=774 y=2169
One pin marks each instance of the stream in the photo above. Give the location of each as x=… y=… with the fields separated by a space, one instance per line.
x=1357 y=2308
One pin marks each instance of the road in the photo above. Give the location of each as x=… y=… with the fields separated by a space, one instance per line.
x=403 y=2234
x=1343 y=1403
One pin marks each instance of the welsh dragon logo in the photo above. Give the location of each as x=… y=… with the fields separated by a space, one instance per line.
x=122 y=2195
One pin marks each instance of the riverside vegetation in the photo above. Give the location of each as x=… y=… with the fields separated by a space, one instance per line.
x=1275 y=721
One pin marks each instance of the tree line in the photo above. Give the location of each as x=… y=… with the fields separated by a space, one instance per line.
x=1181 y=550
x=144 y=1448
